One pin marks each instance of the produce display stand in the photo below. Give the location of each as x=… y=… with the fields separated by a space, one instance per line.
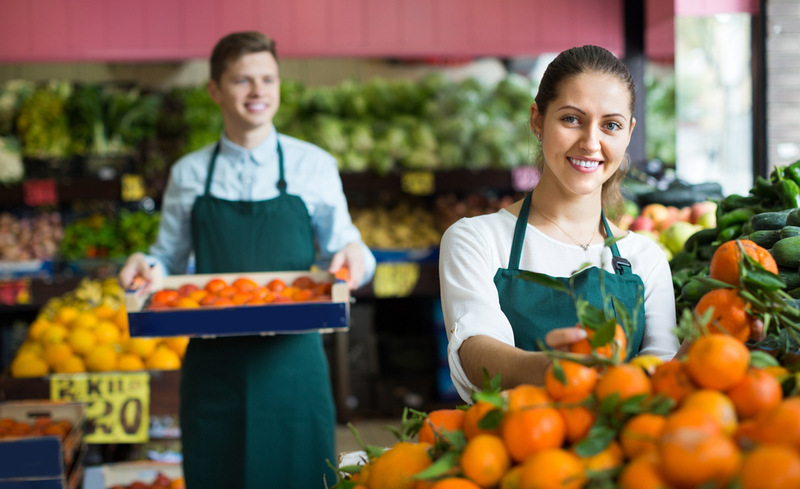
x=126 y=473
x=277 y=318
x=43 y=462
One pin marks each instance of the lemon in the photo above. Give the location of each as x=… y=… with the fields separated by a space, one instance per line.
x=143 y=347
x=65 y=315
x=55 y=353
x=85 y=320
x=648 y=363
x=37 y=327
x=102 y=358
x=71 y=365
x=163 y=359
x=130 y=362
x=29 y=365
x=81 y=340
x=55 y=333
x=107 y=333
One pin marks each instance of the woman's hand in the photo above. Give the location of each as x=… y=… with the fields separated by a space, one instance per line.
x=562 y=338
x=352 y=257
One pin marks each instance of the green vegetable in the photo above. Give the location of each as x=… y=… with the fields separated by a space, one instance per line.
x=790 y=276
x=789 y=193
x=787 y=252
x=769 y=220
x=793 y=219
x=729 y=233
x=765 y=238
x=694 y=289
x=789 y=231
x=736 y=216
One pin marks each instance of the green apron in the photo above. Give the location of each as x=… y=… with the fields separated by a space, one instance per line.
x=534 y=309
x=256 y=411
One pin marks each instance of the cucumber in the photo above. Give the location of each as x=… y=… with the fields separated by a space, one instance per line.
x=765 y=238
x=793 y=219
x=790 y=277
x=789 y=231
x=702 y=237
x=769 y=220
x=787 y=252
x=693 y=290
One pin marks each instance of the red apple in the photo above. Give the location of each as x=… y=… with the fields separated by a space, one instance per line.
x=655 y=211
x=700 y=208
x=642 y=223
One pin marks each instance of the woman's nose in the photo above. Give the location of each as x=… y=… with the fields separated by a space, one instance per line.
x=590 y=140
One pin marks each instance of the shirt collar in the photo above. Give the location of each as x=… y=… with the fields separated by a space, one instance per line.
x=266 y=152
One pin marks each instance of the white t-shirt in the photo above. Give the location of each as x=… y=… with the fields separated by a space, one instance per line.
x=473 y=249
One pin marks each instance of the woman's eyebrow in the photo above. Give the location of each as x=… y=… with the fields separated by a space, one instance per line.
x=572 y=107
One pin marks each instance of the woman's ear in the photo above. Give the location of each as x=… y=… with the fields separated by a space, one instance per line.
x=536 y=121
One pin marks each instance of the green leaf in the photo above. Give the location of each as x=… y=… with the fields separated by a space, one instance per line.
x=491 y=397
x=713 y=283
x=632 y=405
x=761 y=359
x=545 y=280
x=455 y=438
x=558 y=372
x=604 y=334
x=590 y=316
x=609 y=404
x=442 y=466
x=491 y=420
x=596 y=441
x=660 y=404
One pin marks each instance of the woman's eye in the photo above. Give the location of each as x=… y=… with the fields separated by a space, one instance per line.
x=613 y=126
x=570 y=119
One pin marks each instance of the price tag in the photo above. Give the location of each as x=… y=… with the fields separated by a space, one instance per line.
x=117 y=404
x=39 y=192
x=524 y=178
x=418 y=183
x=132 y=187
x=395 y=279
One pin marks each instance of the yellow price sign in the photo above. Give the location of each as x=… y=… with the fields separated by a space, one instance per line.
x=418 y=183
x=132 y=187
x=117 y=404
x=395 y=279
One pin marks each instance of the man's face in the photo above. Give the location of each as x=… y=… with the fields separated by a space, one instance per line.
x=248 y=93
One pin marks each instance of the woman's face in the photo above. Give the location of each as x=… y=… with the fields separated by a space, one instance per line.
x=585 y=132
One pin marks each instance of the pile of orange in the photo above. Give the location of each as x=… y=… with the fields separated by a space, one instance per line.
x=710 y=419
x=78 y=337
x=242 y=291
x=39 y=426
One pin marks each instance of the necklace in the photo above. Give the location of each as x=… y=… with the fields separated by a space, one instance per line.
x=584 y=246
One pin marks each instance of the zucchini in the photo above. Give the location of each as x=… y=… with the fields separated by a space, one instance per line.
x=787 y=252
x=789 y=231
x=793 y=219
x=790 y=277
x=769 y=220
x=765 y=238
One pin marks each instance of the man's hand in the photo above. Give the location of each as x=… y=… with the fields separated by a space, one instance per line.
x=352 y=257
x=136 y=269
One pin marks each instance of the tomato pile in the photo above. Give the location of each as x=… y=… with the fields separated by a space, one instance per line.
x=242 y=291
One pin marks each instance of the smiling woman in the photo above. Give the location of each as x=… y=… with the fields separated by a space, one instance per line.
x=583 y=117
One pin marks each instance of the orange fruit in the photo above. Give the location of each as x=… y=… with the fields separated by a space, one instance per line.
x=31 y=347
x=771 y=467
x=454 y=483
x=214 y=285
x=102 y=358
x=185 y=303
x=447 y=419
x=164 y=297
x=178 y=344
x=485 y=460
x=717 y=361
x=143 y=347
x=301 y=295
x=198 y=295
x=624 y=380
x=691 y=458
x=617 y=348
x=531 y=430
x=641 y=434
x=71 y=365
x=163 y=359
x=695 y=419
x=578 y=418
x=781 y=424
x=396 y=467
x=56 y=353
x=276 y=285
x=241 y=298
x=758 y=391
x=120 y=318
x=29 y=365
x=746 y=435
x=730 y=315
x=37 y=327
x=65 y=315
x=671 y=379
x=642 y=473
x=526 y=396
x=130 y=362
x=725 y=261
x=717 y=405
x=474 y=415
x=81 y=340
x=104 y=311
x=245 y=284
x=55 y=333
x=106 y=333
x=510 y=479
x=553 y=468
x=85 y=320
x=579 y=380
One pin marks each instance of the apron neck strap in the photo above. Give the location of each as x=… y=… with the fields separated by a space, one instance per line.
x=519 y=233
x=281 y=180
x=621 y=265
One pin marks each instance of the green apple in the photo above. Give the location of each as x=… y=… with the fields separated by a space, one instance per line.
x=676 y=235
x=707 y=220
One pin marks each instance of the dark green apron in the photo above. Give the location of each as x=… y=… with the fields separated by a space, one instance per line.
x=256 y=411
x=534 y=309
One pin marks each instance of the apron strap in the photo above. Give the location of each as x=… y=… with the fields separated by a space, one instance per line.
x=281 y=179
x=519 y=233
x=211 y=169
x=621 y=265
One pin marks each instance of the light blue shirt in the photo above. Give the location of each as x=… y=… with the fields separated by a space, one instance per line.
x=250 y=175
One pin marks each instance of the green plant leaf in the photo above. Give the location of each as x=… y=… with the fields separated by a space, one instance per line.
x=604 y=334
x=597 y=440
x=491 y=420
x=442 y=466
x=762 y=359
